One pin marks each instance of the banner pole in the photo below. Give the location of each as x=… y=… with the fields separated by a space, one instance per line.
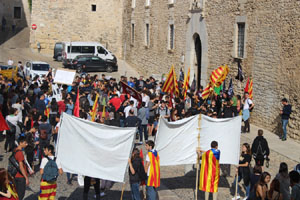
x=198 y=159
x=123 y=188
x=236 y=186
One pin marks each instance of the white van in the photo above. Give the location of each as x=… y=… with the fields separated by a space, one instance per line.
x=73 y=49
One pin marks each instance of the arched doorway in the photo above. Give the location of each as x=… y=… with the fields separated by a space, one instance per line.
x=198 y=58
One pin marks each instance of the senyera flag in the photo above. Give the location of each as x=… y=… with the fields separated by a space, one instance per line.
x=129 y=90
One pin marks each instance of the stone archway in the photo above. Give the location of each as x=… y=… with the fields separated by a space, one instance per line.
x=197 y=49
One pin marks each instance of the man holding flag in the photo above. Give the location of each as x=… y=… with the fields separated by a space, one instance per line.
x=210 y=170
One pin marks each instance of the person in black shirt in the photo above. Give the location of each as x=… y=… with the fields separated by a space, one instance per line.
x=285 y=115
x=260 y=149
x=136 y=169
x=243 y=169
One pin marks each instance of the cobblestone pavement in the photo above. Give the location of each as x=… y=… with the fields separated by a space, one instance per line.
x=175 y=184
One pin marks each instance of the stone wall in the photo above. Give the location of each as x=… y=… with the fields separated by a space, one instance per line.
x=7 y=11
x=73 y=20
x=272 y=48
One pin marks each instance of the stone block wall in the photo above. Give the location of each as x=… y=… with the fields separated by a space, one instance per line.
x=272 y=48
x=74 y=20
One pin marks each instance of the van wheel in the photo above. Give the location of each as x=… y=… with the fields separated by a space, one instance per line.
x=59 y=58
x=79 y=69
x=109 y=69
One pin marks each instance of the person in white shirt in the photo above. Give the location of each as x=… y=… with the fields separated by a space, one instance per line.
x=128 y=108
x=145 y=98
x=10 y=62
x=248 y=105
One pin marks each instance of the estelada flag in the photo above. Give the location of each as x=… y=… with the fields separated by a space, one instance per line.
x=186 y=83
x=47 y=190
x=250 y=90
x=3 y=124
x=129 y=90
x=95 y=108
x=171 y=84
x=154 y=173
x=210 y=171
x=76 y=108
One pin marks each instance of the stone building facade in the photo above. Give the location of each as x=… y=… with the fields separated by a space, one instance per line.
x=77 y=20
x=264 y=36
x=152 y=35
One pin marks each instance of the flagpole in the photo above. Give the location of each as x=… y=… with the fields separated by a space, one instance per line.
x=236 y=186
x=123 y=188
x=198 y=158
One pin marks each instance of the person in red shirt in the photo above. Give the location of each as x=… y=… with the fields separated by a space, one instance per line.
x=21 y=179
x=61 y=106
x=115 y=101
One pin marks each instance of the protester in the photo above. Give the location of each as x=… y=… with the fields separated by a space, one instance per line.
x=21 y=177
x=295 y=185
x=285 y=115
x=152 y=165
x=243 y=170
x=261 y=188
x=260 y=149
x=7 y=186
x=248 y=105
x=210 y=159
x=254 y=177
x=49 y=169
x=284 y=180
x=143 y=115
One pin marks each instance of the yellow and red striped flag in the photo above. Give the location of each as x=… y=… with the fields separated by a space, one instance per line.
x=186 y=83
x=47 y=190
x=154 y=173
x=210 y=171
x=94 y=110
x=171 y=84
x=250 y=90
x=47 y=112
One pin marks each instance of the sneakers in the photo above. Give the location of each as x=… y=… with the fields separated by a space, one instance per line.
x=140 y=143
x=102 y=194
x=245 y=198
x=237 y=197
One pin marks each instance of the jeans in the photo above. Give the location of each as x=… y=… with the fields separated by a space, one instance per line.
x=122 y=123
x=143 y=128
x=135 y=191
x=284 y=124
x=151 y=193
x=20 y=187
x=238 y=189
x=10 y=141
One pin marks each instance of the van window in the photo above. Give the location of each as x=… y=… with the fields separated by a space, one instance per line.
x=88 y=49
x=75 y=49
x=101 y=50
x=58 y=46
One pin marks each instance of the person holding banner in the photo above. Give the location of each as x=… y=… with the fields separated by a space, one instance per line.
x=152 y=168
x=210 y=170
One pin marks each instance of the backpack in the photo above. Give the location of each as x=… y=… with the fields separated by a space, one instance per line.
x=260 y=153
x=12 y=128
x=250 y=106
x=50 y=171
x=141 y=173
x=43 y=134
x=13 y=165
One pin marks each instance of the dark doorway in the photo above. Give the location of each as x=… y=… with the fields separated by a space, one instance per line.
x=198 y=51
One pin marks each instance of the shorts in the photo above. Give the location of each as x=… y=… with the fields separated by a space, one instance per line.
x=151 y=120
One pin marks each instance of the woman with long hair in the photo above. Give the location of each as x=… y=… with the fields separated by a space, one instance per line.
x=243 y=169
x=7 y=186
x=261 y=188
x=135 y=171
x=284 y=180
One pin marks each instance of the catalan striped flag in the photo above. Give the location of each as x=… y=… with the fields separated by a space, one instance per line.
x=210 y=171
x=47 y=190
x=186 y=83
x=47 y=112
x=154 y=173
x=246 y=89
x=250 y=90
x=217 y=77
x=171 y=84
x=12 y=189
x=94 y=109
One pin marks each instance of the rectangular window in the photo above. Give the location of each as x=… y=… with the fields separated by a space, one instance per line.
x=171 y=36
x=88 y=49
x=147 y=35
x=75 y=49
x=132 y=33
x=133 y=4
x=241 y=40
x=147 y=3
x=94 y=7
x=17 y=12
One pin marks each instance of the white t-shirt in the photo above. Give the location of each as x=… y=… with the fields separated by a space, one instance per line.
x=246 y=104
x=14 y=119
x=148 y=160
x=128 y=108
x=45 y=161
x=146 y=99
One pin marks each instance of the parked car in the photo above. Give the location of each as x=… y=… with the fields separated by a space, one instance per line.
x=89 y=63
x=57 y=54
x=73 y=49
x=34 y=68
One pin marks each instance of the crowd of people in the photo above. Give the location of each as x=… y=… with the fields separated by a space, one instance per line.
x=32 y=110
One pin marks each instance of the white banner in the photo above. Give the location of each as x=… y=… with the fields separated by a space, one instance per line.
x=64 y=76
x=176 y=142
x=93 y=149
